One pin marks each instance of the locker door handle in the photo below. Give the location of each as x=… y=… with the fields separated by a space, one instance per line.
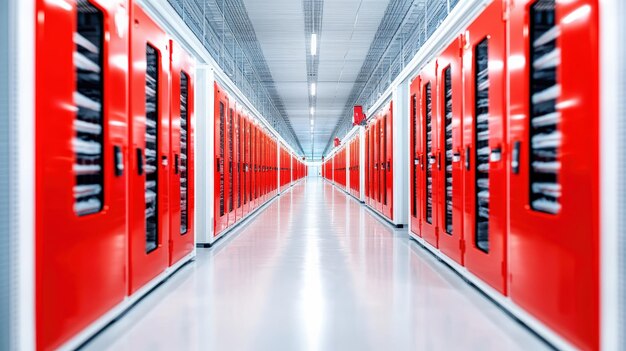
x=176 y=163
x=496 y=154
x=439 y=160
x=416 y=161
x=515 y=157
x=467 y=158
x=388 y=165
x=139 y=153
x=456 y=157
x=431 y=160
x=217 y=165
x=119 y=161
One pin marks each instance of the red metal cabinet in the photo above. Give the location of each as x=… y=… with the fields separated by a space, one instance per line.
x=149 y=213
x=417 y=165
x=555 y=226
x=484 y=139
x=430 y=173
x=182 y=154
x=221 y=176
x=80 y=165
x=238 y=166
x=231 y=151
x=247 y=146
x=376 y=164
x=450 y=110
x=387 y=160
x=368 y=173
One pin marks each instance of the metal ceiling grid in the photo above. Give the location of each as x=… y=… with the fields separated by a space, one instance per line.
x=313 y=12
x=225 y=30
x=405 y=27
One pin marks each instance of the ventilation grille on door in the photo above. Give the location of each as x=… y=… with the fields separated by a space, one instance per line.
x=481 y=129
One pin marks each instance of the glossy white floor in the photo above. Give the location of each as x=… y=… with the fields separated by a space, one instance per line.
x=316 y=271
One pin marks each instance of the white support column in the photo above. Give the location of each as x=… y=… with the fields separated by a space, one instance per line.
x=400 y=153
x=205 y=149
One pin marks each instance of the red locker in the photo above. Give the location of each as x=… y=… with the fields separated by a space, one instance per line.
x=231 y=150
x=450 y=110
x=182 y=154
x=247 y=200
x=368 y=172
x=486 y=192
x=417 y=166
x=238 y=167
x=80 y=168
x=387 y=161
x=555 y=228
x=221 y=177
x=376 y=163
x=149 y=212
x=430 y=174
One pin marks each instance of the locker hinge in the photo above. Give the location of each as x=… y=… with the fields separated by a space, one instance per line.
x=506 y=9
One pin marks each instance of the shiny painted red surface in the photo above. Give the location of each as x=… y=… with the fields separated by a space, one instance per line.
x=554 y=269
x=231 y=151
x=221 y=163
x=146 y=266
x=415 y=150
x=80 y=262
x=489 y=266
x=238 y=166
x=450 y=243
x=387 y=207
x=432 y=157
x=181 y=243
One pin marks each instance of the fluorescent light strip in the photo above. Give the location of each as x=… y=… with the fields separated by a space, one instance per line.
x=313 y=89
x=313 y=44
x=312 y=110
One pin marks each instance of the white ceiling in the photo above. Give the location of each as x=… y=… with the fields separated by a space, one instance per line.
x=348 y=28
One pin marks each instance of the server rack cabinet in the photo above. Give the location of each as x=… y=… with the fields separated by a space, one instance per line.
x=450 y=111
x=80 y=166
x=417 y=166
x=182 y=233
x=149 y=213
x=376 y=163
x=555 y=230
x=430 y=175
x=486 y=181
x=247 y=142
x=231 y=151
x=238 y=168
x=367 y=166
x=387 y=161
x=221 y=177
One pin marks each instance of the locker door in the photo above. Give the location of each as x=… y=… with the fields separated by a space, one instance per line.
x=486 y=181
x=367 y=165
x=382 y=157
x=450 y=110
x=430 y=174
x=221 y=164
x=388 y=162
x=232 y=159
x=247 y=170
x=181 y=123
x=239 y=172
x=357 y=171
x=415 y=152
x=149 y=137
x=80 y=166
x=554 y=269
x=255 y=173
x=376 y=160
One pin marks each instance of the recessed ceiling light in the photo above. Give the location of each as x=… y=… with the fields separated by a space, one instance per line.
x=312 y=122
x=313 y=89
x=313 y=44
x=312 y=110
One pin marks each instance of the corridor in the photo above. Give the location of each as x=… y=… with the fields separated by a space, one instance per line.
x=315 y=270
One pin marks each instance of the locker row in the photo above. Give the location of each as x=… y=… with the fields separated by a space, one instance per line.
x=504 y=160
x=251 y=164
x=114 y=161
x=342 y=166
x=504 y=187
